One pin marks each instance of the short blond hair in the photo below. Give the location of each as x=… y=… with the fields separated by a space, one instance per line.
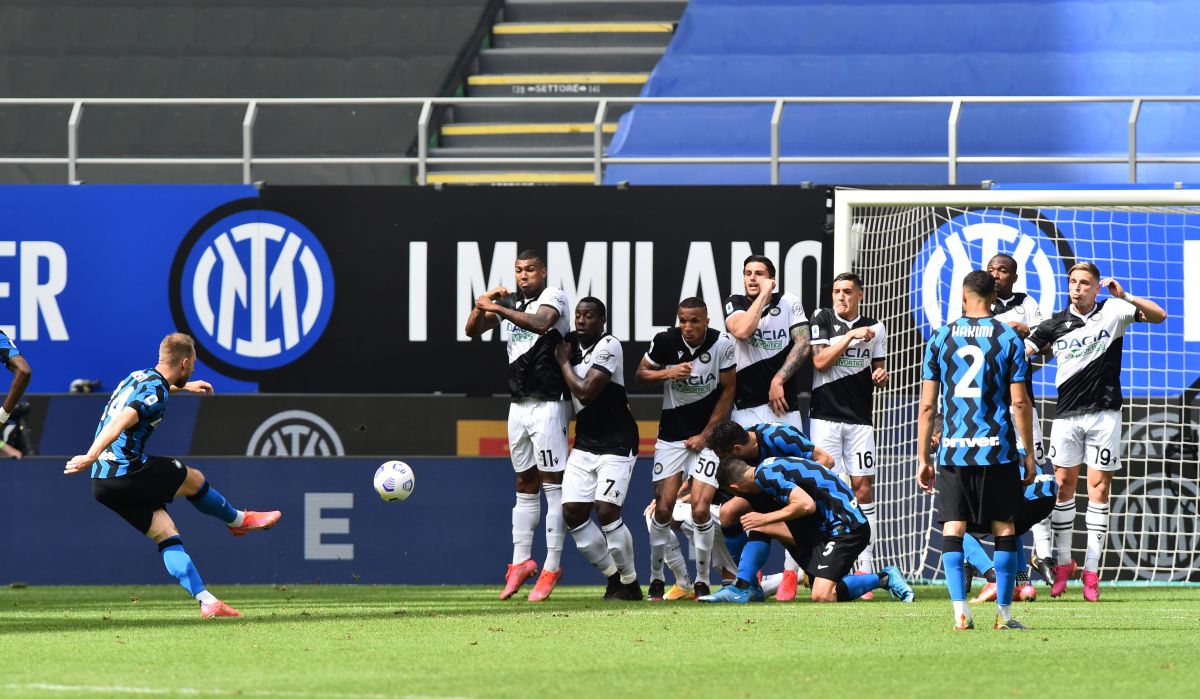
x=176 y=347
x=1086 y=267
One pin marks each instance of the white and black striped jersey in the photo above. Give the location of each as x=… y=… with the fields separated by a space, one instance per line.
x=842 y=393
x=1019 y=308
x=532 y=371
x=761 y=357
x=688 y=405
x=1088 y=351
x=604 y=426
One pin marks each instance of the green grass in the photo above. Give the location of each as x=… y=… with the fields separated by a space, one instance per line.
x=365 y=642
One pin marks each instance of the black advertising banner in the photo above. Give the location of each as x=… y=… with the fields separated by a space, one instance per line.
x=367 y=289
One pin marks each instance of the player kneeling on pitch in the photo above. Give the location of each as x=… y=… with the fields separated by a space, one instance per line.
x=818 y=521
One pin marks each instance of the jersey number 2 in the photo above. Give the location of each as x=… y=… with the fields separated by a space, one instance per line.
x=965 y=387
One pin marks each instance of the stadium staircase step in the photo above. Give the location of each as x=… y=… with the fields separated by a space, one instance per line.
x=583 y=48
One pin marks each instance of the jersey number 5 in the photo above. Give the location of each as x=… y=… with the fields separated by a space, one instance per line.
x=966 y=387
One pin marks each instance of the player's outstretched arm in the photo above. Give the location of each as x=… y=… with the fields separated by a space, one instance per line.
x=822 y=457
x=743 y=325
x=21 y=375
x=720 y=411
x=799 y=504
x=128 y=417
x=801 y=351
x=925 y=414
x=202 y=388
x=1022 y=408
x=1150 y=311
x=587 y=388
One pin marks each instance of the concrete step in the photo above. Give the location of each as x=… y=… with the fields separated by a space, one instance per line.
x=522 y=135
x=532 y=113
x=569 y=60
x=524 y=152
x=593 y=10
x=510 y=177
x=589 y=84
x=581 y=34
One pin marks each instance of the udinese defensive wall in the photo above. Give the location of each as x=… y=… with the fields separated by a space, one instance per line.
x=289 y=181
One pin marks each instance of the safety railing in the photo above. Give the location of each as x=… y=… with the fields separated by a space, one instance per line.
x=598 y=159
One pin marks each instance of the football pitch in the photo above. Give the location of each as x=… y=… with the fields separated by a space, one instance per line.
x=367 y=642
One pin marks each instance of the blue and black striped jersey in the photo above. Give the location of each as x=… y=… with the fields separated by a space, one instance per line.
x=837 y=509
x=1043 y=485
x=975 y=361
x=777 y=439
x=8 y=350
x=146 y=392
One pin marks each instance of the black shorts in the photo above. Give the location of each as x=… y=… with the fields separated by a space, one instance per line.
x=1029 y=513
x=979 y=494
x=833 y=557
x=136 y=496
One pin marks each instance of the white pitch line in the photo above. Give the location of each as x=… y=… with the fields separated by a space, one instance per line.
x=194 y=691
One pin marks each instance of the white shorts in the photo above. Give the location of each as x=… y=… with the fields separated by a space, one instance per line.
x=1039 y=451
x=851 y=446
x=672 y=457
x=763 y=413
x=590 y=477
x=1093 y=439
x=537 y=434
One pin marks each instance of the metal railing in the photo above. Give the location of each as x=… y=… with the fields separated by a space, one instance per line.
x=952 y=159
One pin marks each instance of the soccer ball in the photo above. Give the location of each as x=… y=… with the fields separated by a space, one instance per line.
x=394 y=480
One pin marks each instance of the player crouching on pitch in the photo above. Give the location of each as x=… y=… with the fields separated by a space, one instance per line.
x=817 y=520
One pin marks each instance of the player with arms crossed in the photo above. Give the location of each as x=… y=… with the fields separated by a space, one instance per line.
x=849 y=359
x=535 y=318
x=1086 y=339
x=815 y=516
x=139 y=487
x=772 y=336
x=606 y=441
x=976 y=368
x=695 y=365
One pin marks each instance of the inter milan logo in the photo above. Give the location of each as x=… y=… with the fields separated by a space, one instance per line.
x=295 y=433
x=967 y=242
x=256 y=289
x=1154 y=528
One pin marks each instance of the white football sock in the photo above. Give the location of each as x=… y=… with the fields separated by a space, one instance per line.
x=770 y=583
x=660 y=537
x=703 y=545
x=790 y=563
x=1042 y=539
x=620 y=547
x=591 y=543
x=205 y=597
x=866 y=559
x=961 y=609
x=525 y=516
x=1062 y=522
x=1005 y=611
x=1096 y=520
x=678 y=563
x=556 y=531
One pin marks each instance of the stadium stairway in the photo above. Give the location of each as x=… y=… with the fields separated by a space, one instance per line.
x=546 y=48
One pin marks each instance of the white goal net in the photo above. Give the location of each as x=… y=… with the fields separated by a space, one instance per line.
x=912 y=249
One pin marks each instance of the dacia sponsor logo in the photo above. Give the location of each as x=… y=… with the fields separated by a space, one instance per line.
x=769 y=339
x=519 y=334
x=695 y=384
x=256 y=289
x=967 y=242
x=970 y=442
x=1074 y=347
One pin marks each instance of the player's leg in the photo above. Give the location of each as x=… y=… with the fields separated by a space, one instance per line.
x=667 y=476
x=613 y=474
x=743 y=591
x=579 y=491
x=179 y=564
x=832 y=560
x=978 y=559
x=829 y=436
x=704 y=488
x=528 y=507
x=1103 y=460
x=956 y=490
x=549 y=435
x=1043 y=536
x=1031 y=515
x=1067 y=454
x=1003 y=494
x=205 y=498
x=757 y=548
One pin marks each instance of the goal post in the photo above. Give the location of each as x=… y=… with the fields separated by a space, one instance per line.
x=913 y=247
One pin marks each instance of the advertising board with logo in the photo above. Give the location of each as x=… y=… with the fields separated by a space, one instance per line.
x=364 y=289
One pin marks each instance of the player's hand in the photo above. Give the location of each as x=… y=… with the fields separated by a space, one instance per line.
x=77 y=464
x=203 y=388
x=1030 y=470
x=926 y=476
x=1021 y=328
x=486 y=303
x=680 y=372
x=650 y=508
x=753 y=520
x=864 y=333
x=497 y=293
x=776 y=397
x=562 y=353
x=879 y=377
x=1113 y=286
x=696 y=442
